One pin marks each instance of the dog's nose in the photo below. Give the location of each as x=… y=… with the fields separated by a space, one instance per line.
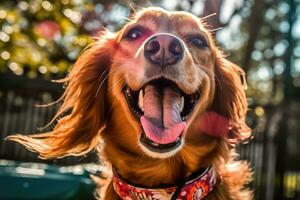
x=163 y=50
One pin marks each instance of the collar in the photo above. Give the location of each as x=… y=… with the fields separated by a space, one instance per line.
x=195 y=187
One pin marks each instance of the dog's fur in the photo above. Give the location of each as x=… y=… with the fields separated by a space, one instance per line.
x=97 y=108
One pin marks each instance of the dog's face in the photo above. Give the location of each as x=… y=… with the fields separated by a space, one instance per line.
x=165 y=65
x=146 y=90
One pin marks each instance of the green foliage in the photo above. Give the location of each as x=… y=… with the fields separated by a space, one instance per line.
x=40 y=37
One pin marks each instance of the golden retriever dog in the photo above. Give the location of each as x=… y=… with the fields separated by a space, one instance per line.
x=168 y=106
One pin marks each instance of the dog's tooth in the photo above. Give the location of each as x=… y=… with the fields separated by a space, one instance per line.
x=154 y=144
x=181 y=103
x=141 y=100
x=128 y=91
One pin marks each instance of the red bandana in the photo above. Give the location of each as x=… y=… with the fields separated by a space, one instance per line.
x=194 y=189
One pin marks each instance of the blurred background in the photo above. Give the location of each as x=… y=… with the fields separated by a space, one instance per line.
x=40 y=40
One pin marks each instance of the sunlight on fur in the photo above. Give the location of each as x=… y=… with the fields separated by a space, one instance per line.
x=163 y=67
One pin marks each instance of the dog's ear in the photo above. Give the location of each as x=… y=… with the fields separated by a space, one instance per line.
x=83 y=111
x=230 y=99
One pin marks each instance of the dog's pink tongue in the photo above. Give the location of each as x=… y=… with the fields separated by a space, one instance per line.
x=161 y=121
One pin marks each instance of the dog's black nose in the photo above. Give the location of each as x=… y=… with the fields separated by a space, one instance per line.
x=163 y=50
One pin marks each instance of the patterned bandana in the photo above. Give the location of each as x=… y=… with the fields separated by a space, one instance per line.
x=194 y=188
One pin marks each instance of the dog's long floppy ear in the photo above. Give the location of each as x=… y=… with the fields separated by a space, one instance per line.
x=77 y=132
x=230 y=98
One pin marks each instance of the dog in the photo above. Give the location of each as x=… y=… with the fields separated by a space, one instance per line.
x=168 y=105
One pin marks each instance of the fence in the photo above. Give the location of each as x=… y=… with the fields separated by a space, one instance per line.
x=272 y=153
x=19 y=113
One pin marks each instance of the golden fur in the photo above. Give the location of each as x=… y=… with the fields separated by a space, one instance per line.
x=98 y=109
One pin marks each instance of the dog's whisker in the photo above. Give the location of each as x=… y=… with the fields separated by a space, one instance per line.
x=126 y=66
x=132 y=6
x=107 y=69
x=121 y=63
x=210 y=73
x=215 y=29
x=116 y=83
x=125 y=18
x=118 y=62
x=115 y=99
x=104 y=79
x=208 y=16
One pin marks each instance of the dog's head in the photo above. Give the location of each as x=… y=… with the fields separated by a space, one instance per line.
x=151 y=88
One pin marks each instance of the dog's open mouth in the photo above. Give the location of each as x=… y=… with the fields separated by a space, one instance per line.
x=162 y=108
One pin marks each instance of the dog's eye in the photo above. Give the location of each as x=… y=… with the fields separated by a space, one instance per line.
x=198 y=42
x=134 y=33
